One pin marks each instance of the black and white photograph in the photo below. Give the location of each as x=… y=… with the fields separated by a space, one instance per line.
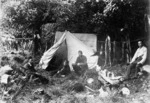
x=74 y=51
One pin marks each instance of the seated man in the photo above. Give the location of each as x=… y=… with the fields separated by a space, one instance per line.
x=65 y=69
x=81 y=64
x=29 y=65
x=29 y=68
x=32 y=74
x=137 y=61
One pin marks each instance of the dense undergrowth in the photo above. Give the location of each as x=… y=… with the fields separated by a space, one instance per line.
x=72 y=88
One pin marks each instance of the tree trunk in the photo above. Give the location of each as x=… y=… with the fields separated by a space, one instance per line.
x=107 y=51
x=123 y=51
x=114 y=51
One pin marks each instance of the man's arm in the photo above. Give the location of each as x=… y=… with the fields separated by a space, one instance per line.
x=144 y=56
x=77 y=61
x=134 y=57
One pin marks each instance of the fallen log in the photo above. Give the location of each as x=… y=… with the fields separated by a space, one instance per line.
x=27 y=80
x=90 y=89
x=19 y=90
x=112 y=80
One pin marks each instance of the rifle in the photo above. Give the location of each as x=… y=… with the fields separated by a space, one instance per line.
x=138 y=59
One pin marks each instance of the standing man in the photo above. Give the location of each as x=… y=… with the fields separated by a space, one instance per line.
x=37 y=42
x=81 y=63
x=138 y=60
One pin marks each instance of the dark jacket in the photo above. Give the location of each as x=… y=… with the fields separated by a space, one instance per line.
x=81 y=59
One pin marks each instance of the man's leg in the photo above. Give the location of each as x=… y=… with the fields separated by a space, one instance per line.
x=83 y=69
x=77 y=69
x=129 y=70
x=138 y=68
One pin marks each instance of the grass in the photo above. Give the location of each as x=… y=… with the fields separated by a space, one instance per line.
x=71 y=89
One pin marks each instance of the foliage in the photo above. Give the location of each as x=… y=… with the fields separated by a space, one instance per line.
x=26 y=18
x=29 y=16
x=117 y=18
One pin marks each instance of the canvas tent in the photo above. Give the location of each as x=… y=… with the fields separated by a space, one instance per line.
x=88 y=39
x=66 y=46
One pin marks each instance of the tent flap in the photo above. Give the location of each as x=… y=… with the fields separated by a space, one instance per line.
x=48 y=55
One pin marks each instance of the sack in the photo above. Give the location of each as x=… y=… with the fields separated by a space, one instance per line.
x=4 y=78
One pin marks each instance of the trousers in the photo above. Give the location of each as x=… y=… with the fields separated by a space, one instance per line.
x=132 y=70
x=80 y=69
